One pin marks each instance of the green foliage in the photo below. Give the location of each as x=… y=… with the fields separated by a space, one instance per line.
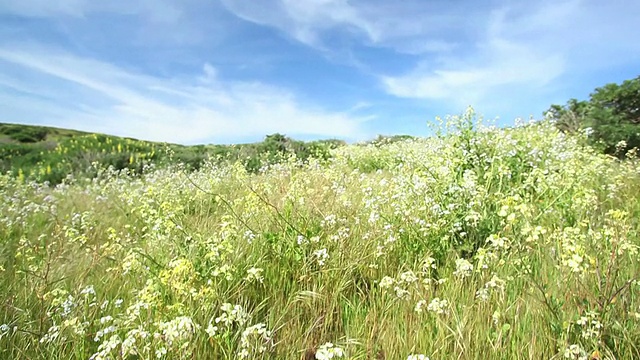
x=611 y=117
x=24 y=134
x=50 y=154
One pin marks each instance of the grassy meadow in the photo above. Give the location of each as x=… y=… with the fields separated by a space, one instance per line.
x=477 y=243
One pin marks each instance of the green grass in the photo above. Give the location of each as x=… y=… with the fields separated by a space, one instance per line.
x=516 y=243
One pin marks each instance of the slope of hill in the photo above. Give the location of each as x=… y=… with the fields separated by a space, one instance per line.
x=51 y=154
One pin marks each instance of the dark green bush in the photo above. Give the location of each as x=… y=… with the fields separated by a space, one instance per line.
x=24 y=134
x=611 y=117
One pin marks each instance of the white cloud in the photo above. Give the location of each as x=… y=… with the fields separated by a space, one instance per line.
x=188 y=110
x=501 y=63
x=303 y=20
x=465 y=52
x=525 y=48
x=401 y=25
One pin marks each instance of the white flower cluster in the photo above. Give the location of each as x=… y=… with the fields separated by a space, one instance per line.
x=321 y=256
x=329 y=351
x=254 y=275
x=232 y=314
x=439 y=306
x=254 y=339
x=417 y=357
x=178 y=330
x=463 y=268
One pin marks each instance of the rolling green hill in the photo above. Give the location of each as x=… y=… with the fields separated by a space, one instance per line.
x=51 y=154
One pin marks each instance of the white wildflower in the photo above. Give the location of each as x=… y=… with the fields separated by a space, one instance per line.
x=232 y=314
x=401 y=293
x=417 y=357
x=254 y=339
x=386 y=282
x=328 y=351
x=178 y=330
x=408 y=277
x=419 y=305
x=438 y=306
x=89 y=290
x=463 y=268
x=321 y=256
x=254 y=275
x=574 y=351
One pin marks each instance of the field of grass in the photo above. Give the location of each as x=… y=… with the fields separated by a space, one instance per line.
x=479 y=243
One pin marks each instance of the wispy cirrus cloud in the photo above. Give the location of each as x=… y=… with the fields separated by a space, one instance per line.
x=524 y=49
x=187 y=110
x=463 y=52
x=403 y=26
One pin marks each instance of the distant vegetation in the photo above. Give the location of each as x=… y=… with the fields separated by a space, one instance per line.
x=51 y=154
x=610 y=118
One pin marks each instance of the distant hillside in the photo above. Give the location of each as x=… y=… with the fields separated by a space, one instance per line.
x=15 y=133
x=51 y=154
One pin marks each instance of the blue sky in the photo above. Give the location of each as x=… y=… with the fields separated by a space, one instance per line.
x=224 y=71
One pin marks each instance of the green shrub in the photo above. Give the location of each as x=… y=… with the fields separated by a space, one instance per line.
x=611 y=117
x=24 y=134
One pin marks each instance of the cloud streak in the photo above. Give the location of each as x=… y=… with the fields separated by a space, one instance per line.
x=464 y=54
x=194 y=109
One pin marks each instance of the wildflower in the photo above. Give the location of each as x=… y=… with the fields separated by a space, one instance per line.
x=574 y=351
x=51 y=335
x=106 y=319
x=417 y=357
x=463 y=268
x=428 y=264
x=161 y=352
x=497 y=241
x=254 y=339
x=328 y=351
x=129 y=343
x=321 y=256
x=408 y=277
x=483 y=294
x=105 y=349
x=67 y=306
x=4 y=330
x=438 y=306
x=574 y=263
x=401 y=293
x=249 y=236
x=179 y=329
x=231 y=314
x=100 y=333
x=419 y=305
x=386 y=282
x=211 y=330
x=254 y=275
x=89 y=290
